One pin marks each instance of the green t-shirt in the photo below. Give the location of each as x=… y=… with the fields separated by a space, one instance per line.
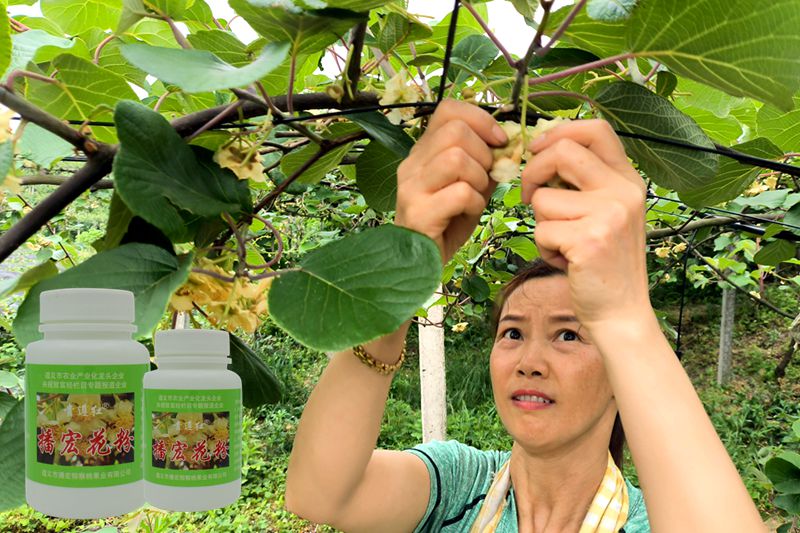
x=460 y=477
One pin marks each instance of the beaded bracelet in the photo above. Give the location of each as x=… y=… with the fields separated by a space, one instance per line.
x=380 y=367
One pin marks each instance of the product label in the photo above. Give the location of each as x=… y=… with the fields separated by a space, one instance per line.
x=195 y=436
x=83 y=424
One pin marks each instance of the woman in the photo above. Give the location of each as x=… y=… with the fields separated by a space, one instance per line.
x=586 y=339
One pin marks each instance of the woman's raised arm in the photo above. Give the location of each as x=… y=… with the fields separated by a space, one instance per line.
x=598 y=234
x=335 y=474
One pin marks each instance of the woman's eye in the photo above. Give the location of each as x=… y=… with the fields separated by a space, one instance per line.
x=512 y=333
x=570 y=335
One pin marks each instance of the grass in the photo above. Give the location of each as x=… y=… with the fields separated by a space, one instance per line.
x=752 y=414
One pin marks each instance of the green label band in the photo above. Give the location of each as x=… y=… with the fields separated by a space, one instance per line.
x=194 y=436
x=83 y=424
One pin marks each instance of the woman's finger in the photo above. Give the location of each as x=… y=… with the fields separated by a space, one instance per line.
x=562 y=204
x=476 y=118
x=454 y=133
x=595 y=134
x=458 y=198
x=570 y=161
x=452 y=165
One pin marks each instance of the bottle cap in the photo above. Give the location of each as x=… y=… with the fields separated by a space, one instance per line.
x=192 y=342
x=86 y=306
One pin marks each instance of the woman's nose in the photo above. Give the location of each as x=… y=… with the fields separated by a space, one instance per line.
x=533 y=362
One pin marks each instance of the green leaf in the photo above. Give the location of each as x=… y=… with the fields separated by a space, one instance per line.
x=173 y=8
x=88 y=89
x=562 y=57
x=764 y=200
x=476 y=288
x=602 y=38
x=784 y=472
x=379 y=128
x=359 y=288
x=631 y=107
x=259 y=384
x=743 y=47
x=307 y=32
x=781 y=128
x=526 y=8
x=398 y=29
x=76 y=16
x=222 y=44
x=376 y=176
x=153 y=32
x=42 y=147
x=12 y=460
x=293 y=161
x=119 y=216
x=8 y=380
x=666 y=82
x=157 y=174
x=197 y=71
x=44 y=270
x=357 y=5
x=6 y=157
x=775 y=252
x=150 y=272
x=698 y=95
x=722 y=130
x=6 y=403
x=733 y=178
x=523 y=247
x=610 y=10
x=132 y=12
x=470 y=56
x=25 y=45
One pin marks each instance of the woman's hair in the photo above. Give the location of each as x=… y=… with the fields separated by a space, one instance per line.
x=541 y=269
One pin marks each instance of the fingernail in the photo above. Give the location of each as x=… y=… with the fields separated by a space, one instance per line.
x=499 y=134
x=538 y=141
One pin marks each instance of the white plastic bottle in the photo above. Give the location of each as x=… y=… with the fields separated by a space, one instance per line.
x=193 y=423
x=83 y=397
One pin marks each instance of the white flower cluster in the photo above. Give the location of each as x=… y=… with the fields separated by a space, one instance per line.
x=398 y=91
x=507 y=160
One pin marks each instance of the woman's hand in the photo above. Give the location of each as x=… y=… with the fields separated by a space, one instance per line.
x=596 y=233
x=443 y=185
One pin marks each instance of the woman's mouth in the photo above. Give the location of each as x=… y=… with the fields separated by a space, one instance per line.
x=530 y=402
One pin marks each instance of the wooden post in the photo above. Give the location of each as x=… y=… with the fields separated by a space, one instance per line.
x=432 y=377
x=726 y=335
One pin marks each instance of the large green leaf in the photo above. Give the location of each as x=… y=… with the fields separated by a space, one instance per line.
x=784 y=472
x=356 y=289
x=781 y=128
x=86 y=89
x=157 y=174
x=307 y=32
x=132 y=12
x=376 y=176
x=173 y=8
x=25 y=45
x=398 y=29
x=222 y=44
x=632 y=108
x=76 y=16
x=470 y=56
x=259 y=384
x=150 y=272
x=774 y=253
x=603 y=38
x=42 y=147
x=699 y=95
x=733 y=178
x=382 y=130
x=119 y=216
x=12 y=460
x=523 y=247
x=722 y=130
x=44 y=270
x=293 y=161
x=356 y=5
x=197 y=71
x=610 y=10
x=743 y=47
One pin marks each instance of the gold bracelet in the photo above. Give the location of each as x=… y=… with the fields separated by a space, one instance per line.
x=381 y=368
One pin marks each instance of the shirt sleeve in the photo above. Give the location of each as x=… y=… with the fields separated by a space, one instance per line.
x=458 y=472
x=638 y=521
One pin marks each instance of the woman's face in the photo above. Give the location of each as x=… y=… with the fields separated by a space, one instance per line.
x=541 y=347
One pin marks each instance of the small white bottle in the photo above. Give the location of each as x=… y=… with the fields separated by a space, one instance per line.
x=193 y=423
x=83 y=397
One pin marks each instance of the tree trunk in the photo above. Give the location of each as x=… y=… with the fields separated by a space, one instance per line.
x=432 y=377
x=726 y=335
